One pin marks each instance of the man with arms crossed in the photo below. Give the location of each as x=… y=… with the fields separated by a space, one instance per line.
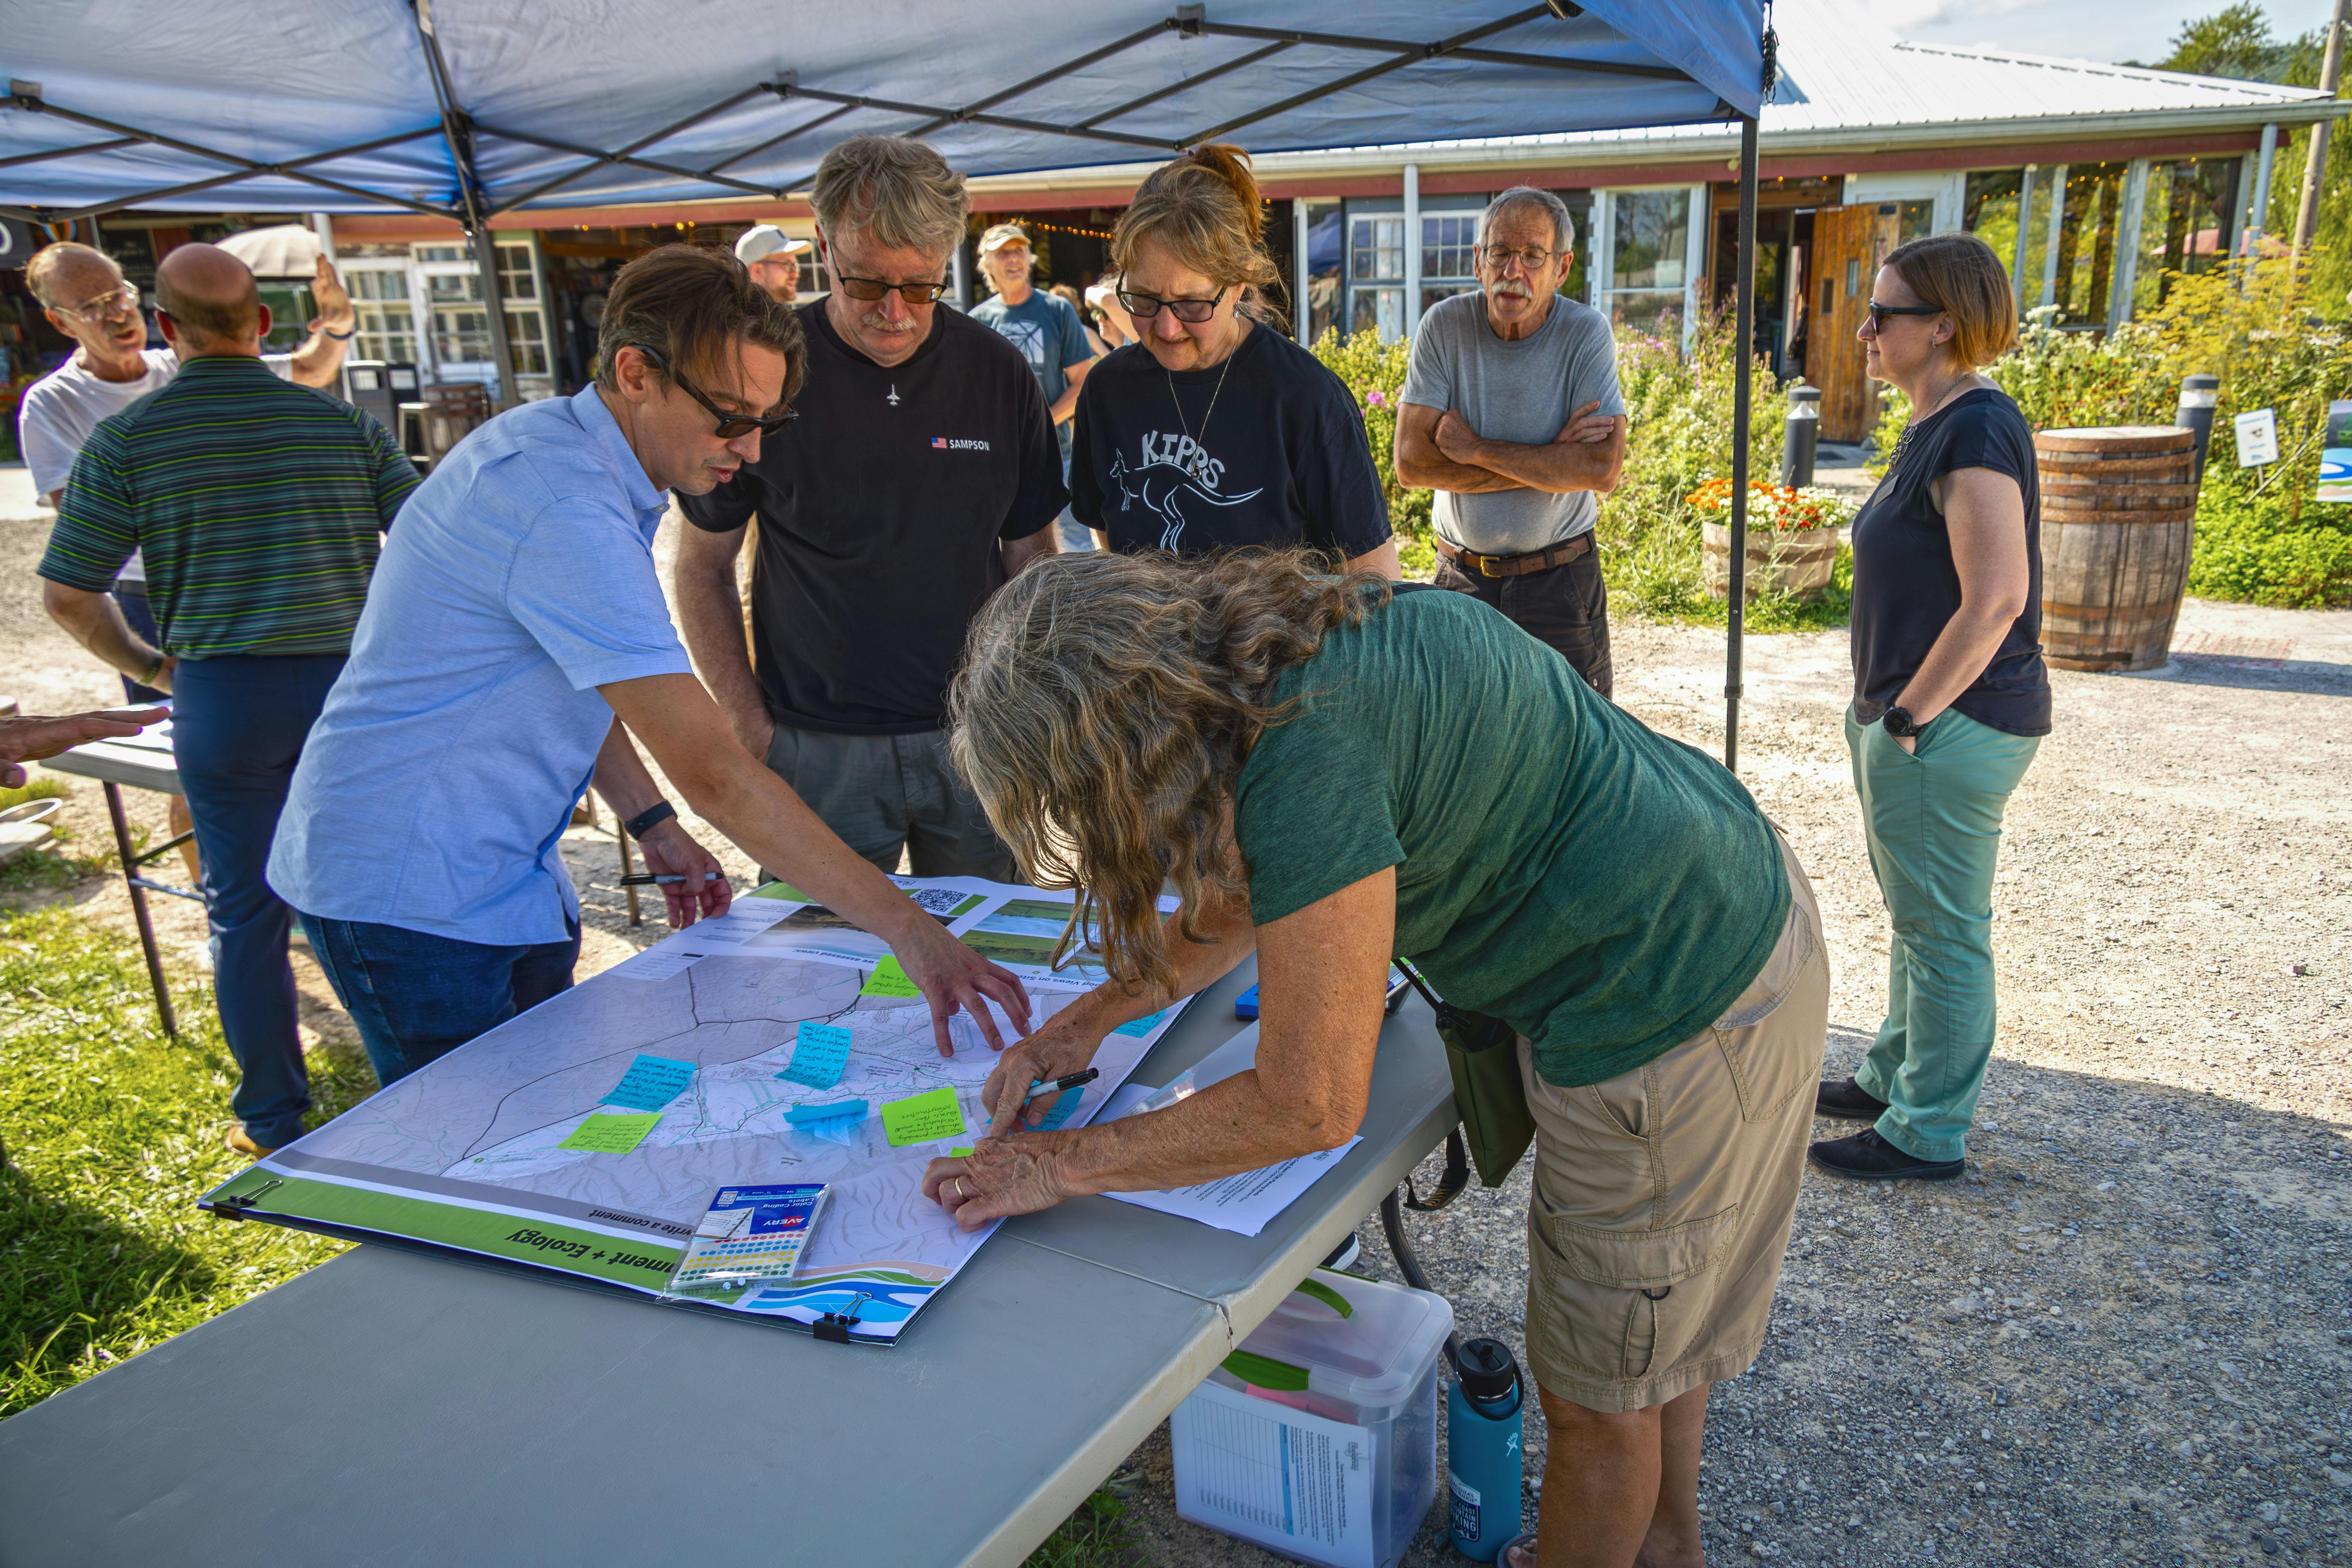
x=923 y=475
x=259 y=506
x=85 y=296
x=515 y=639
x=1486 y=424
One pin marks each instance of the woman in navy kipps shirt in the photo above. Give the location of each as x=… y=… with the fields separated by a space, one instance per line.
x=1950 y=697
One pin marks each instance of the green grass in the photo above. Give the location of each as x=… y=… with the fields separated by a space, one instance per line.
x=52 y=869
x=112 y=1130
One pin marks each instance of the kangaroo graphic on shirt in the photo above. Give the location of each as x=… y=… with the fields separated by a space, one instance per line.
x=1173 y=468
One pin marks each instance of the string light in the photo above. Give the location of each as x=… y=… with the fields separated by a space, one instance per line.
x=1031 y=223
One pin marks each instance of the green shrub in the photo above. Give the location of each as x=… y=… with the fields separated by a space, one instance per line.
x=1374 y=372
x=2250 y=548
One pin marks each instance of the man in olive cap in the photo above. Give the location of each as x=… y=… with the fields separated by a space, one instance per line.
x=774 y=259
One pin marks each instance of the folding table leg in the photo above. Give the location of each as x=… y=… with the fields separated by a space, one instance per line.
x=138 y=909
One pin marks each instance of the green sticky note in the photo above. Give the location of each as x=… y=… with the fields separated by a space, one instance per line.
x=923 y=1118
x=960 y=1151
x=889 y=980
x=605 y=1134
x=783 y=891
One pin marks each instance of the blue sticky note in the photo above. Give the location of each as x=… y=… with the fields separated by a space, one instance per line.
x=651 y=1083
x=809 y=1115
x=817 y=1060
x=1141 y=1026
x=1067 y=1103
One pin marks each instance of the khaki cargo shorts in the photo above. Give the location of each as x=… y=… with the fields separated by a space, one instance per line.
x=1663 y=1196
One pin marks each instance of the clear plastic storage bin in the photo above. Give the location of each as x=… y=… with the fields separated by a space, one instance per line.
x=1317 y=1438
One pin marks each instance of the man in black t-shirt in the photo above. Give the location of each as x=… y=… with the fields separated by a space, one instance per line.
x=921 y=475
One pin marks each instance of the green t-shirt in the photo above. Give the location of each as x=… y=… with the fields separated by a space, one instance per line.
x=1606 y=891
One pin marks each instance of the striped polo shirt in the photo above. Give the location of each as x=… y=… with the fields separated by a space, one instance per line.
x=259 y=505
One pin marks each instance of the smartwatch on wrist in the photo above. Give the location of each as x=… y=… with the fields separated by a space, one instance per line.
x=646 y=821
x=1899 y=724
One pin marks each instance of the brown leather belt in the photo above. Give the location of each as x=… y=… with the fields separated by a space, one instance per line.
x=1478 y=565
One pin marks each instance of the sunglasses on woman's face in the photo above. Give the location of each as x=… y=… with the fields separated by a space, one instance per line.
x=1878 y=313
x=730 y=426
x=1143 y=307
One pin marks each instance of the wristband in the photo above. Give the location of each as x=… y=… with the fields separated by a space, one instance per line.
x=340 y=337
x=153 y=670
x=646 y=821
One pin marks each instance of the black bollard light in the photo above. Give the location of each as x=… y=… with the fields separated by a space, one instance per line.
x=1804 y=435
x=2199 y=394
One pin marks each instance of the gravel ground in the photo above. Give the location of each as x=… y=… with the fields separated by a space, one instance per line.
x=2123 y=1336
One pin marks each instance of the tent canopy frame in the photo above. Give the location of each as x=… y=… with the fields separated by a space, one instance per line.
x=473 y=207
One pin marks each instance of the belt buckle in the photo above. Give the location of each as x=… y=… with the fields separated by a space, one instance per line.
x=1486 y=566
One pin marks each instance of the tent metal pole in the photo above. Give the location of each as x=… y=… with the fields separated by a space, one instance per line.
x=457 y=133
x=1742 y=389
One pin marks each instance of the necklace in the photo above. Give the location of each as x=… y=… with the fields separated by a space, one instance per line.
x=1211 y=413
x=1903 y=442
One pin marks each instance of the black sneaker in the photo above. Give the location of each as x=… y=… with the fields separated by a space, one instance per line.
x=1345 y=1254
x=1867 y=1157
x=1849 y=1101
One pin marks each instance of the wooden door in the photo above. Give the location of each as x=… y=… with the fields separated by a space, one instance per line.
x=1849 y=243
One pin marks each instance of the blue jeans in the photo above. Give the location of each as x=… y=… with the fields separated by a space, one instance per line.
x=238 y=727
x=417 y=997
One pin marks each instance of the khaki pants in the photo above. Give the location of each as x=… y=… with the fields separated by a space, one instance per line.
x=1663 y=1196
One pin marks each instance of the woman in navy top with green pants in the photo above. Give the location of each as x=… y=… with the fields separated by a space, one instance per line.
x=1950 y=696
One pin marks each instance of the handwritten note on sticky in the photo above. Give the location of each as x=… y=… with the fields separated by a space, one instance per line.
x=817 y=1060
x=651 y=1083
x=888 y=980
x=1138 y=1028
x=811 y=1115
x=923 y=1118
x=602 y=1134
x=1067 y=1103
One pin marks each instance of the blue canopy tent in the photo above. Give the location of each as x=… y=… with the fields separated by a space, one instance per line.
x=470 y=109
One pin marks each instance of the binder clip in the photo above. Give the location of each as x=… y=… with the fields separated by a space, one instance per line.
x=236 y=1203
x=836 y=1326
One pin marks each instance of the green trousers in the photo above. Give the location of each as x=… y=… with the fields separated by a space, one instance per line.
x=1933 y=819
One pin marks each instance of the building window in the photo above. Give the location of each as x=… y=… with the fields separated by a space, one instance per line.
x=1376 y=276
x=387 y=328
x=460 y=322
x=1449 y=249
x=2078 y=277
x=1649 y=260
x=2184 y=224
x=1324 y=222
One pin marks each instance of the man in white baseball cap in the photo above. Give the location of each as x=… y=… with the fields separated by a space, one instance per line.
x=773 y=258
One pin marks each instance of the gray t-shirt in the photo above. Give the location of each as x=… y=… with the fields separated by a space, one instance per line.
x=1519 y=392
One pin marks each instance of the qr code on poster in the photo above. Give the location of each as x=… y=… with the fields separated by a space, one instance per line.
x=939 y=900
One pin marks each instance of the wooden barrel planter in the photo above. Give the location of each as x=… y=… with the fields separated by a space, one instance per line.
x=2118 y=517
x=1792 y=561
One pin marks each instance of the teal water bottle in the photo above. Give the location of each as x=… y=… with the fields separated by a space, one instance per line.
x=1484 y=1449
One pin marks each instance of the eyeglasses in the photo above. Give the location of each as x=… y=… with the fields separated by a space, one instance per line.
x=730 y=426
x=1143 y=307
x=122 y=301
x=872 y=289
x=1878 y=313
x=1534 y=258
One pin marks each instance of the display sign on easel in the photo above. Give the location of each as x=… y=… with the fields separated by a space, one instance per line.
x=2336 y=458
x=2257 y=438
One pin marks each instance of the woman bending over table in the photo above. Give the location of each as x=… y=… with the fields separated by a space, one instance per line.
x=1332 y=773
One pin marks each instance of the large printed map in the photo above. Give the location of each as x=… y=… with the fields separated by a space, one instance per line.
x=469 y=1152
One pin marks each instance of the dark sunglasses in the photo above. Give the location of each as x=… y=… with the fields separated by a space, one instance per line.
x=1143 y=307
x=730 y=426
x=872 y=289
x=1878 y=313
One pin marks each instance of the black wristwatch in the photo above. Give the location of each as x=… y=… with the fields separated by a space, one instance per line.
x=1899 y=723
x=646 y=821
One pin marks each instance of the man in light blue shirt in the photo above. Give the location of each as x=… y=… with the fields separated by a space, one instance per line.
x=514 y=638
